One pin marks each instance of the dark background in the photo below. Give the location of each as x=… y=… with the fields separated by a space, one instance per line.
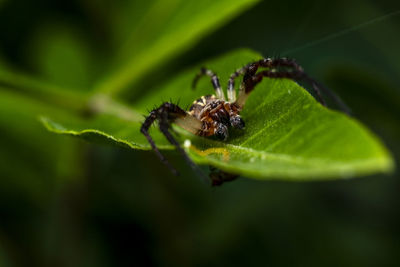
x=68 y=203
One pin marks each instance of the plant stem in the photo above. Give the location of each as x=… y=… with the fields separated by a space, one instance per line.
x=68 y=99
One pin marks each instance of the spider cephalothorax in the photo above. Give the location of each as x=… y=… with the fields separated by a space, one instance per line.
x=213 y=115
x=216 y=115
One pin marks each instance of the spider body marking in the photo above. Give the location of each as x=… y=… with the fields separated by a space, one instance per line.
x=213 y=115
x=216 y=115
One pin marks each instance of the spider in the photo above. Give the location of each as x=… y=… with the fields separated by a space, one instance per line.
x=213 y=115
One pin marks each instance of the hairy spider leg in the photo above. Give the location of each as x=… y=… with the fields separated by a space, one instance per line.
x=145 y=131
x=250 y=81
x=214 y=80
x=328 y=92
x=294 y=72
x=166 y=114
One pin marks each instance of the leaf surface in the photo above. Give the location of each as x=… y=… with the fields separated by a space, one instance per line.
x=288 y=134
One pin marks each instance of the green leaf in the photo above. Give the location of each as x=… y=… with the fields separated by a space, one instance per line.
x=288 y=134
x=165 y=29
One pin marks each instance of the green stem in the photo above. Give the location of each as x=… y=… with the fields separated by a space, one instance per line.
x=51 y=94
x=104 y=104
x=68 y=99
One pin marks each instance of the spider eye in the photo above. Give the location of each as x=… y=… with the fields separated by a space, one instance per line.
x=237 y=122
x=221 y=132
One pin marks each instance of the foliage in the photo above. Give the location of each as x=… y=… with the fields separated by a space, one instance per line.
x=288 y=135
x=85 y=64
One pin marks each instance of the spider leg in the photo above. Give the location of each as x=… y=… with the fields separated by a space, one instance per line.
x=145 y=131
x=166 y=114
x=330 y=93
x=214 y=81
x=250 y=81
x=249 y=69
x=299 y=73
x=231 y=83
x=291 y=70
x=218 y=177
x=164 y=128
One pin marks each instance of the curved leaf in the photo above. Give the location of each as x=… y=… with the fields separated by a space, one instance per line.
x=163 y=30
x=288 y=134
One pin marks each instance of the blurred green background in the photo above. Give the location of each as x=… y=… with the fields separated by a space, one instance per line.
x=65 y=202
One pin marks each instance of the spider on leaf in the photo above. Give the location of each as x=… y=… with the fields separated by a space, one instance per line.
x=213 y=115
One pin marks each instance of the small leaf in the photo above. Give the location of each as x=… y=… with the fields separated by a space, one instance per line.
x=288 y=134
